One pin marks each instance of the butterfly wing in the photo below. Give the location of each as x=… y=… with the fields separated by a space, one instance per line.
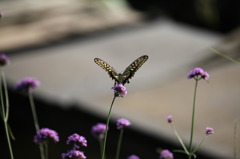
x=110 y=70
x=132 y=69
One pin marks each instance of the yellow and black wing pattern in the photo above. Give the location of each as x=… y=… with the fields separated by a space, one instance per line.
x=127 y=74
x=110 y=70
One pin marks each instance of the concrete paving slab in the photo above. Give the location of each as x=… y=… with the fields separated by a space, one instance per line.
x=68 y=74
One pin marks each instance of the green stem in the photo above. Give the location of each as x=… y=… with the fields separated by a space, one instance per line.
x=179 y=139
x=225 y=56
x=119 y=143
x=36 y=124
x=4 y=114
x=199 y=145
x=8 y=139
x=101 y=146
x=105 y=135
x=46 y=150
x=6 y=95
x=2 y=101
x=35 y=119
x=193 y=118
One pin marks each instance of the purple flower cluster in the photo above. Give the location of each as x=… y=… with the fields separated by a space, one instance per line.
x=198 y=73
x=46 y=134
x=119 y=90
x=133 y=157
x=77 y=141
x=73 y=154
x=4 y=60
x=27 y=85
x=166 y=154
x=99 y=130
x=169 y=119
x=209 y=131
x=122 y=123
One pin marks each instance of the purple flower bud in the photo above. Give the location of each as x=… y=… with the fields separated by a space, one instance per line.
x=209 y=131
x=122 y=123
x=4 y=60
x=166 y=154
x=99 y=130
x=46 y=134
x=119 y=90
x=198 y=73
x=133 y=157
x=73 y=154
x=169 y=119
x=77 y=141
x=27 y=85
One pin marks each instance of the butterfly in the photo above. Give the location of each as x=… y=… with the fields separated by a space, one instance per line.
x=122 y=78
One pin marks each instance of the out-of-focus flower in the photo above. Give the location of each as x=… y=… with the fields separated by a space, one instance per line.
x=73 y=154
x=198 y=73
x=99 y=130
x=122 y=123
x=209 y=131
x=4 y=60
x=46 y=134
x=77 y=141
x=169 y=119
x=166 y=154
x=133 y=157
x=27 y=85
x=119 y=90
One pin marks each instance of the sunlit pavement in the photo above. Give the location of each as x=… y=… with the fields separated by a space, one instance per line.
x=68 y=74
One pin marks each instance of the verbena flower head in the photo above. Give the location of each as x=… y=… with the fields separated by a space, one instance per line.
x=119 y=90
x=73 y=154
x=169 y=119
x=27 y=85
x=166 y=154
x=99 y=130
x=209 y=131
x=46 y=134
x=122 y=123
x=4 y=60
x=77 y=141
x=198 y=73
x=133 y=157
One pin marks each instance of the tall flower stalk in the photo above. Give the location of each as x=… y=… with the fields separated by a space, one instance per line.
x=98 y=131
x=193 y=117
x=106 y=133
x=4 y=110
x=196 y=74
x=27 y=86
x=119 y=91
x=121 y=124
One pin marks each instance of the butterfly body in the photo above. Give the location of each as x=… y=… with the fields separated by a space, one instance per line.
x=122 y=78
